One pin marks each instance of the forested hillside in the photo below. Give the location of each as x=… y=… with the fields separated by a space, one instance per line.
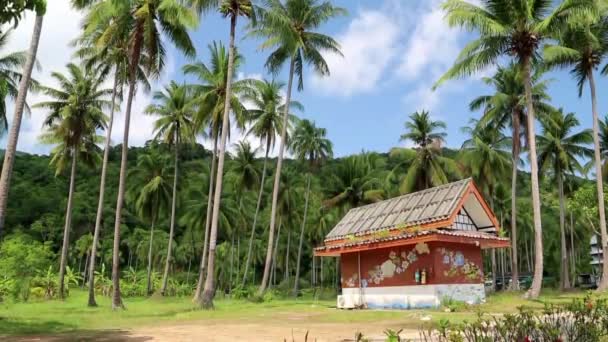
x=38 y=201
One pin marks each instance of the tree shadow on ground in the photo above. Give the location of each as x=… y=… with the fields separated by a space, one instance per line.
x=54 y=331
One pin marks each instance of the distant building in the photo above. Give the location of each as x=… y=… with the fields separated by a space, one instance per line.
x=415 y=250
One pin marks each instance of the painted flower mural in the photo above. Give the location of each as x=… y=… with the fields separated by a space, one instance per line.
x=395 y=264
x=459 y=265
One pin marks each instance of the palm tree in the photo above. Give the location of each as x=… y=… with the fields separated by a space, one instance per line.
x=9 y=78
x=507 y=107
x=265 y=116
x=309 y=144
x=12 y=10
x=75 y=113
x=232 y=9
x=353 y=183
x=13 y=134
x=515 y=30
x=109 y=59
x=176 y=109
x=143 y=19
x=149 y=194
x=289 y=29
x=427 y=167
x=582 y=47
x=560 y=147
x=211 y=94
x=485 y=156
x=422 y=130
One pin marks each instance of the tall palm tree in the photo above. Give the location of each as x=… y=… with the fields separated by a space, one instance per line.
x=232 y=9
x=266 y=123
x=582 y=48
x=176 y=109
x=310 y=144
x=516 y=30
x=560 y=147
x=13 y=134
x=144 y=20
x=289 y=29
x=426 y=166
x=211 y=94
x=506 y=107
x=75 y=113
x=149 y=194
x=114 y=60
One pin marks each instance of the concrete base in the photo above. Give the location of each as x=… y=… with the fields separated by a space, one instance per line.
x=409 y=297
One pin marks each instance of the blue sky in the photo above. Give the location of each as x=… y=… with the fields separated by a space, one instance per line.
x=394 y=51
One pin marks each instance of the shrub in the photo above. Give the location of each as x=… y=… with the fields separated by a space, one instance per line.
x=453 y=305
x=582 y=320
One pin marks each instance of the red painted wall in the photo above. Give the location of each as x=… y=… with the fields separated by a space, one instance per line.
x=443 y=263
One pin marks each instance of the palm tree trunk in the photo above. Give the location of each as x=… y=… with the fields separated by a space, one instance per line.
x=599 y=183
x=572 y=252
x=296 y=285
x=122 y=179
x=66 y=229
x=274 y=256
x=172 y=227
x=102 y=191
x=13 y=135
x=277 y=178
x=493 y=256
x=149 y=288
x=212 y=175
x=287 y=255
x=537 y=281
x=255 y=218
x=231 y=264
x=565 y=273
x=515 y=160
x=206 y=301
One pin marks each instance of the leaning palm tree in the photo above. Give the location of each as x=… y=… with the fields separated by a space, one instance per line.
x=13 y=134
x=75 y=113
x=144 y=20
x=506 y=107
x=582 y=47
x=560 y=147
x=309 y=144
x=149 y=194
x=289 y=29
x=175 y=109
x=210 y=90
x=266 y=123
x=426 y=167
x=10 y=63
x=516 y=29
x=232 y=9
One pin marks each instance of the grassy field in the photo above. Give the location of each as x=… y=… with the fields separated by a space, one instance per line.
x=73 y=316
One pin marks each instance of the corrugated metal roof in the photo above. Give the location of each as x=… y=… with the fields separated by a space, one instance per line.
x=413 y=209
x=411 y=235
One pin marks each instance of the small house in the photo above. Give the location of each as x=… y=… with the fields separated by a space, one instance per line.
x=415 y=250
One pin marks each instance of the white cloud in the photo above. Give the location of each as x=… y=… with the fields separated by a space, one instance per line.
x=368 y=44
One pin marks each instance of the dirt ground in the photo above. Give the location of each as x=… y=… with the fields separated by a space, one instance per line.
x=256 y=332
x=280 y=329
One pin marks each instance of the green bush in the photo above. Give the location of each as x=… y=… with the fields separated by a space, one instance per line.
x=582 y=320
